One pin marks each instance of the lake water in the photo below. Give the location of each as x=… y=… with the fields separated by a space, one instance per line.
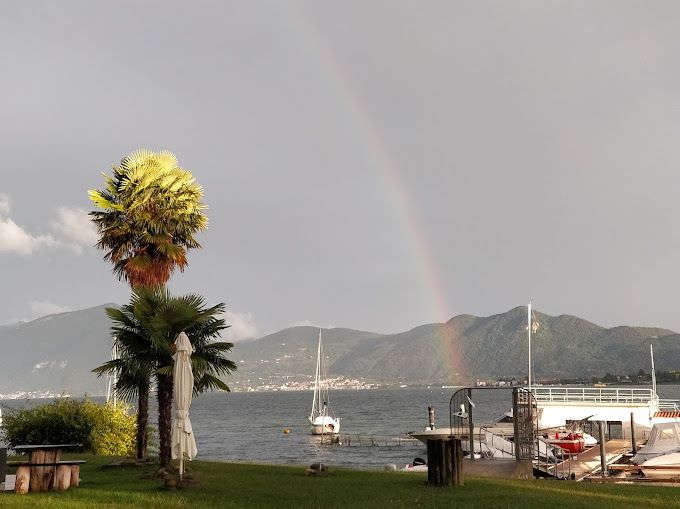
x=249 y=427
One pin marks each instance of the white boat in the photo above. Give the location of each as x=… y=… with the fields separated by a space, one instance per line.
x=560 y=407
x=321 y=418
x=663 y=439
x=665 y=466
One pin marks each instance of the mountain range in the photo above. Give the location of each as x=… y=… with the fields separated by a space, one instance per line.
x=56 y=353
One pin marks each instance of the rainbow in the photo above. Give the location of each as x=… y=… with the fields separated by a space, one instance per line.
x=388 y=168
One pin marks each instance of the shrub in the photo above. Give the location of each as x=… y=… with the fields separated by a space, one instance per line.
x=102 y=429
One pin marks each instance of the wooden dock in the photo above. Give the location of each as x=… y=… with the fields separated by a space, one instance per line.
x=587 y=463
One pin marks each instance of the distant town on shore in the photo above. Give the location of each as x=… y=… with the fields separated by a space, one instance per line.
x=342 y=383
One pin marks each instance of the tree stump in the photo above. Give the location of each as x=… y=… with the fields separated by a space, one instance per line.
x=23 y=478
x=75 y=475
x=42 y=477
x=62 y=478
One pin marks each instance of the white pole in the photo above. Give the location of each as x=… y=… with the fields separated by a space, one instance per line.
x=181 y=459
x=115 y=375
x=529 y=332
x=111 y=396
x=651 y=352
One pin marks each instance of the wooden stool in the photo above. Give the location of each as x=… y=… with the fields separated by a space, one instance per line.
x=23 y=478
x=75 y=475
x=62 y=479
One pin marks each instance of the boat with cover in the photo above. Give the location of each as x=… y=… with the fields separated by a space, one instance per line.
x=663 y=439
x=321 y=418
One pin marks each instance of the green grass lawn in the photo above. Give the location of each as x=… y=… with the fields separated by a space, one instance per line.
x=228 y=485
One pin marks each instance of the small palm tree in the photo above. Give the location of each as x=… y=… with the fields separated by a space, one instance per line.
x=145 y=331
x=134 y=366
x=201 y=323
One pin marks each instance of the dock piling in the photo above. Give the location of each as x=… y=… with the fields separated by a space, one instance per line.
x=603 y=453
x=445 y=462
x=632 y=433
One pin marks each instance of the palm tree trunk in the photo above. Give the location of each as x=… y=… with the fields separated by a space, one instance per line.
x=165 y=418
x=142 y=418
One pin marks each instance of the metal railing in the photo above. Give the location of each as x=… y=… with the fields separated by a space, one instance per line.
x=669 y=404
x=496 y=442
x=610 y=395
x=559 y=465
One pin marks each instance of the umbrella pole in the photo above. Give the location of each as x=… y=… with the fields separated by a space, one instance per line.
x=181 y=462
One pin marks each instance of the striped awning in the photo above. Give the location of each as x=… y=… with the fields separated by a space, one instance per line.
x=672 y=415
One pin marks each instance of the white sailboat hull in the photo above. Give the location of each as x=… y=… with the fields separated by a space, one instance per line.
x=325 y=425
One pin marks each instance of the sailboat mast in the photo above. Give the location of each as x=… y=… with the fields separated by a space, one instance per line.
x=316 y=402
x=529 y=332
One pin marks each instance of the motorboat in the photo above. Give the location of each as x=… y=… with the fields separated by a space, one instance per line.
x=664 y=439
x=570 y=441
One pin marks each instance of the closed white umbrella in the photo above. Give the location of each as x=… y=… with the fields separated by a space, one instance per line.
x=183 y=442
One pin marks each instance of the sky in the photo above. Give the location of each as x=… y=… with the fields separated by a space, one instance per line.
x=375 y=165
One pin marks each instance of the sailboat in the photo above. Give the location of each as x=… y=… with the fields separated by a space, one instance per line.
x=322 y=420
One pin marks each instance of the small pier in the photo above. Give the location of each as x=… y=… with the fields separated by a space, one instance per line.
x=372 y=440
x=587 y=465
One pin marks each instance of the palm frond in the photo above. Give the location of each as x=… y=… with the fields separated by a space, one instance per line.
x=209 y=382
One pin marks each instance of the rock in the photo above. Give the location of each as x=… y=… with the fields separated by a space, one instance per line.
x=317 y=470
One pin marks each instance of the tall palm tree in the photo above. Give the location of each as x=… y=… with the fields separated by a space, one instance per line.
x=151 y=209
x=145 y=330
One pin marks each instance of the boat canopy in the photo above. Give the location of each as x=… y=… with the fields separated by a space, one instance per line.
x=663 y=439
